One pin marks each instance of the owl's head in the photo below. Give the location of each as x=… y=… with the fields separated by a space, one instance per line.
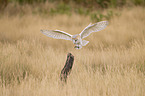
x=75 y=38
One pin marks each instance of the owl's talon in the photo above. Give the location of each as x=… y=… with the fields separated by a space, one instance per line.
x=77 y=47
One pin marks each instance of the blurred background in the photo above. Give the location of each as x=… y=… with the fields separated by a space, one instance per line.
x=90 y=8
x=112 y=64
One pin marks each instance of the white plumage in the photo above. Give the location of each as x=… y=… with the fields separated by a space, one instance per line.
x=77 y=39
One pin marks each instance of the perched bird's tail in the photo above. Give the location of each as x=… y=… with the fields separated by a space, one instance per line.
x=84 y=42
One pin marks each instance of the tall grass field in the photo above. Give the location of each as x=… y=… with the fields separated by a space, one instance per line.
x=112 y=64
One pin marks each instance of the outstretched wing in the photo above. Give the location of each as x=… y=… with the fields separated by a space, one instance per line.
x=93 y=28
x=57 y=34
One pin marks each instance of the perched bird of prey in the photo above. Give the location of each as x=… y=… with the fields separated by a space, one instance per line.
x=77 y=39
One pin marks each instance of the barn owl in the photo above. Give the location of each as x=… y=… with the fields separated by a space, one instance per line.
x=76 y=39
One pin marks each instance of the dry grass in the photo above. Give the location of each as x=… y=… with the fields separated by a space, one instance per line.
x=112 y=64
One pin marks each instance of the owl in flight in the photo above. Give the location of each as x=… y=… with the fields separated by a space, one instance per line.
x=77 y=39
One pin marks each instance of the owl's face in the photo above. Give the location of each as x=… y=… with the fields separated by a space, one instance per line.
x=75 y=38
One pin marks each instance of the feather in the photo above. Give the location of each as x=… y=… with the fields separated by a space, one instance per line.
x=57 y=34
x=93 y=28
x=84 y=42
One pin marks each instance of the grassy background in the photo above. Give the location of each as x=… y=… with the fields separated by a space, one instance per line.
x=85 y=3
x=112 y=64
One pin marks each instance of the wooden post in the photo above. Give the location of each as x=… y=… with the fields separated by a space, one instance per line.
x=67 y=67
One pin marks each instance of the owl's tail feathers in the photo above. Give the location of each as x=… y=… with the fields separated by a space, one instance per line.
x=84 y=42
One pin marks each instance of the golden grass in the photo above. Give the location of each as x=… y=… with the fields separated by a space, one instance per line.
x=112 y=64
